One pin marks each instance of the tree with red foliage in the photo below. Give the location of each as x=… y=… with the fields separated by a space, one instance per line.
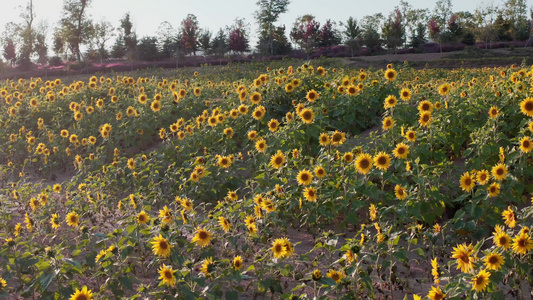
x=238 y=37
x=329 y=36
x=305 y=33
x=189 y=34
x=9 y=51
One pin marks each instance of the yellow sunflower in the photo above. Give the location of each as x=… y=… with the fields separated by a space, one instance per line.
x=494 y=261
x=73 y=219
x=425 y=119
x=304 y=177
x=338 y=138
x=161 y=247
x=405 y=94
x=480 y=281
x=522 y=243
x=237 y=262
x=401 y=151
x=526 y=144
x=224 y=223
x=277 y=160
x=323 y=139
x=467 y=182
x=387 y=124
x=499 y=172
x=465 y=260
x=526 y=106
x=307 y=115
x=410 y=136
x=261 y=145
x=143 y=218
x=320 y=172
x=482 y=177
x=493 y=112
x=202 y=237
x=363 y=163
x=166 y=274
x=400 y=192
x=390 y=102
x=390 y=74
x=494 y=189
x=83 y=294
x=208 y=266
x=278 y=248
x=382 y=161
x=335 y=275
x=310 y=194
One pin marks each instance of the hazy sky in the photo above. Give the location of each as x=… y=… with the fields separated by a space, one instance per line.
x=147 y=15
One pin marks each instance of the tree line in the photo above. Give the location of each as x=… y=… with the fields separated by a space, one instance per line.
x=77 y=37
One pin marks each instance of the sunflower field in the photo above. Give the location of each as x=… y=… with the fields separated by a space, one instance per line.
x=281 y=180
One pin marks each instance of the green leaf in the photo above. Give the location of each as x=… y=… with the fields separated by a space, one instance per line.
x=232 y=295
x=126 y=282
x=401 y=255
x=46 y=279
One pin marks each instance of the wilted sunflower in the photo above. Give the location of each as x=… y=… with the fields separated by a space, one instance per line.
x=465 y=260
x=499 y=172
x=363 y=163
x=202 y=237
x=401 y=151
x=72 y=219
x=161 y=247
x=526 y=106
x=304 y=177
x=494 y=261
x=166 y=274
x=83 y=294
x=382 y=161
x=307 y=115
x=467 y=182
x=277 y=160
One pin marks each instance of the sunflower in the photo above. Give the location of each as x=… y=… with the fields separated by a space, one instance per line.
x=382 y=161
x=501 y=239
x=207 y=266
x=526 y=107
x=435 y=270
x=400 y=192
x=425 y=119
x=255 y=98
x=289 y=88
x=73 y=219
x=363 y=163
x=304 y=177
x=83 y=294
x=155 y=106
x=312 y=96
x=390 y=74
x=224 y=223
x=493 y=112
x=522 y=243
x=261 y=145
x=273 y=125
x=526 y=144
x=388 y=122
x=307 y=115
x=277 y=160
x=348 y=157
x=444 y=89
x=3 y=282
x=320 y=172
x=336 y=276
x=224 y=162
x=405 y=94
x=390 y=102
x=424 y=106
x=278 y=248
x=494 y=261
x=494 y=189
x=323 y=139
x=165 y=215
x=166 y=274
x=143 y=218
x=143 y=98
x=465 y=260
x=480 y=281
x=202 y=237
x=351 y=90
x=259 y=112
x=373 y=213
x=467 y=182
x=310 y=194
x=401 y=151
x=338 y=138
x=197 y=92
x=54 y=221
x=410 y=135
x=482 y=177
x=237 y=262
x=161 y=247
x=499 y=172
x=252 y=134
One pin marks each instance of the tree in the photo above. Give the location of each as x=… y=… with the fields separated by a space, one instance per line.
x=483 y=19
x=393 y=30
x=238 y=36
x=329 y=36
x=103 y=31
x=352 y=33
x=455 y=31
x=418 y=38
x=126 y=43
x=205 y=41
x=189 y=34
x=220 y=46
x=434 y=31
x=75 y=25
x=268 y=13
x=10 y=51
x=168 y=40
x=305 y=32
x=27 y=36
x=147 y=49
x=41 y=49
x=371 y=37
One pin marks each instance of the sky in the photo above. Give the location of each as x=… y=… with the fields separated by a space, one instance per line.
x=147 y=15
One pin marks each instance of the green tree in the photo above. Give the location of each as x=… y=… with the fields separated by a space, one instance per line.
x=352 y=34
x=147 y=49
x=205 y=41
x=75 y=25
x=393 y=31
x=371 y=37
x=220 y=46
x=103 y=31
x=267 y=14
x=168 y=40
x=189 y=34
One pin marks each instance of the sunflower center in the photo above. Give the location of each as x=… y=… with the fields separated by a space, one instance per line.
x=141 y=218
x=526 y=144
x=400 y=192
x=364 y=163
x=425 y=118
x=304 y=177
x=163 y=245
x=499 y=171
x=278 y=248
x=493 y=260
x=503 y=240
x=464 y=258
x=521 y=243
x=529 y=106
x=468 y=181
x=311 y=193
x=401 y=150
x=81 y=297
x=425 y=106
x=382 y=160
x=306 y=115
x=202 y=235
x=168 y=274
x=479 y=280
x=278 y=160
